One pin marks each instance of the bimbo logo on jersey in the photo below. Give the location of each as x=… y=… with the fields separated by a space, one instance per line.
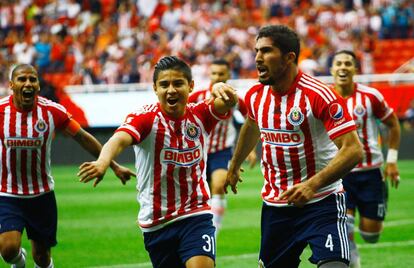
x=192 y=132
x=295 y=116
x=336 y=111
x=184 y=158
x=281 y=137
x=23 y=143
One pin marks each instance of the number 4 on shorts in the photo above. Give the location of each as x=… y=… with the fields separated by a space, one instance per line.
x=329 y=242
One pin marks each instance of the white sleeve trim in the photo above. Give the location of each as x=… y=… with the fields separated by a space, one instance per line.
x=341 y=127
x=132 y=129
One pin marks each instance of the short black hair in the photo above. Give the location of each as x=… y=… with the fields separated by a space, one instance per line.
x=347 y=52
x=172 y=63
x=18 y=66
x=221 y=61
x=284 y=38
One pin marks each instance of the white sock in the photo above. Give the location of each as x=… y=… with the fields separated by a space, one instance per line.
x=218 y=207
x=20 y=260
x=50 y=264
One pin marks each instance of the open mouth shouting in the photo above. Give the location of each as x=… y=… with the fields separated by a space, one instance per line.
x=28 y=94
x=261 y=70
x=172 y=101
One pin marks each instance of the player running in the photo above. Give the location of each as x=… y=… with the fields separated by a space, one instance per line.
x=308 y=143
x=170 y=141
x=364 y=185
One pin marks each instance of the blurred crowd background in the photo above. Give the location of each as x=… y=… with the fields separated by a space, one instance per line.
x=119 y=41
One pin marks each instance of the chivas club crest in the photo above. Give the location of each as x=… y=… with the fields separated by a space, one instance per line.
x=295 y=116
x=40 y=126
x=192 y=132
x=359 y=110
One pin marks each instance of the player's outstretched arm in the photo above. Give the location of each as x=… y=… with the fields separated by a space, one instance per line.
x=391 y=168
x=248 y=138
x=96 y=169
x=225 y=97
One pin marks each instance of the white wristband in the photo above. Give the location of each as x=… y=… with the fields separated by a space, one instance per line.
x=392 y=156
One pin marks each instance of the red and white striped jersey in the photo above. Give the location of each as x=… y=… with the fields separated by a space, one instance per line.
x=367 y=105
x=224 y=133
x=297 y=130
x=171 y=162
x=26 y=139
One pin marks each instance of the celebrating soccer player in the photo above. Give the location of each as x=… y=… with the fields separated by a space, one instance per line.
x=365 y=188
x=27 y=199
x=308 y=143
x=170 y=141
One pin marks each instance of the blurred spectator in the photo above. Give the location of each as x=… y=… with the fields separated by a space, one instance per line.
x=23 y=51
x=4 y=79
x=18 y=8
x=311 y=65
x=409 y=117
x=42 y=49
x=47 y=90
x=6 y=15
x=404 y=18
x=58 y=53
x=129 y=74
x=397 y=19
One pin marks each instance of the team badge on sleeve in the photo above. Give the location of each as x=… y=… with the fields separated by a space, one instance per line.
x=192 y=132
x=359 y=111
x=336 y=111
x=295 y=116
x=40 y=126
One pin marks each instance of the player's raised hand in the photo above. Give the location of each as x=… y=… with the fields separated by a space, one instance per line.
x=233 y=177
x=89 y=171
x=225 y=92
x=391 y=172
x=123 y=173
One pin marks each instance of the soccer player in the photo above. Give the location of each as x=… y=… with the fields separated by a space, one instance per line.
x=220 y=142
x=364 y=185
x=27 y=199
x=170 y=141
x=308 y=143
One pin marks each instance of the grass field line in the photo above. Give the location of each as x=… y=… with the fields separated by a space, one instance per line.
x=255 y=255
x=393 y=224
x=388 y=244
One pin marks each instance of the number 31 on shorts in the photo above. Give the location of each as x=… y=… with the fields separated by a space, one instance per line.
x=210 y=244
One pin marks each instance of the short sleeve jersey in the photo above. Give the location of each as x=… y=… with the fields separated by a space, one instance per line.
x=297 y=130
x=26 y=138
x=367 y=106
x=170 y=162
x=224 y=133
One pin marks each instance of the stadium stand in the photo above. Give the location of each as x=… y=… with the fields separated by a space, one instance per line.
x=390 y=54
x=84 y=42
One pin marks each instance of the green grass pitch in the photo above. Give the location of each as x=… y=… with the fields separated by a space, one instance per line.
x=97 y=226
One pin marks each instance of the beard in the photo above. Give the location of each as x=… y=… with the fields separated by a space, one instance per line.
x=279 y=75
x=267 y=82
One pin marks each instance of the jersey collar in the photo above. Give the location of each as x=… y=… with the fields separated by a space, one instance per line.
x=13 y=107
